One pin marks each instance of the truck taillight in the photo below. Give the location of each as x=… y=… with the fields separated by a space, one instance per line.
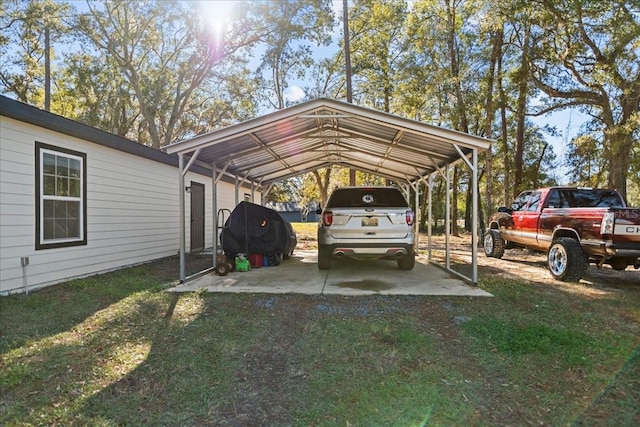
x=410 y=216
x=327 y=218
x=608 y=220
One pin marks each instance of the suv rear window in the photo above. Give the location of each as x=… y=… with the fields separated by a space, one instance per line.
x=367 y=197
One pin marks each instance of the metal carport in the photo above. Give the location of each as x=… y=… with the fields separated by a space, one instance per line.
x=325 y=132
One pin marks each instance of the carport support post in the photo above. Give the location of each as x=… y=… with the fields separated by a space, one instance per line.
x=429 y=215
x=214 y=208
x=237 y=185
x=474 y=228
x=181 y=191
x=416 y=217
x=447 y=215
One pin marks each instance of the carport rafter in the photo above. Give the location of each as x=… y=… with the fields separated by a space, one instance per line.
x=394 y=143
x=275 y=161
x=343 y=156
x=350 y=148
x=340 y=164
x=264 y=146
x=403 y=148
x=403 y=161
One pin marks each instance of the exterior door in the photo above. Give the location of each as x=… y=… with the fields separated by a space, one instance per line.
x=529 y=220
x=197 y=216
x=517 y=215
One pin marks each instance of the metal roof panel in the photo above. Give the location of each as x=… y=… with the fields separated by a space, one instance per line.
x=325 y=132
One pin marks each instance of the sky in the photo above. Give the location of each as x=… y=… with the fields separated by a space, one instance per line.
x=568 y=122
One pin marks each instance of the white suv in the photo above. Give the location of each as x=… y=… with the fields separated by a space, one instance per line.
x=367 y=222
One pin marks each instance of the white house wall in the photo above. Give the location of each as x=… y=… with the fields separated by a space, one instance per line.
x=132 y=210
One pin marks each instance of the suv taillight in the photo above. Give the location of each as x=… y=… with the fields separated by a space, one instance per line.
x=327 y=218
x=410 y=216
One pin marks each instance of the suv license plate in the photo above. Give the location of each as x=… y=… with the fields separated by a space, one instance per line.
x=369 y=222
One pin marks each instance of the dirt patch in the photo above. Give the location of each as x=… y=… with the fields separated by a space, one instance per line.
x=168 y=269
x=261 y=395
x=522 y=264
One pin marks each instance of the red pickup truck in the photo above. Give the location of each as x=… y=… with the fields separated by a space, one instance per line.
x=574 y=226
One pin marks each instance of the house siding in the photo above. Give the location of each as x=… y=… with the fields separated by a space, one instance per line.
x=132 y=209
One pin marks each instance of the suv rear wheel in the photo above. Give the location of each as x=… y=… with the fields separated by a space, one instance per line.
x=324 y=259
x=406 y=262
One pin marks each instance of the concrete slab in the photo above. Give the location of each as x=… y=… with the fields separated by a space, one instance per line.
x=300 y=275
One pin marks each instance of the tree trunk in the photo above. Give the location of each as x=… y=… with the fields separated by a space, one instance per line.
x=323 y=184
x=347 y=63
x=462 y=124
x=423 y=209
x=47 y=67
x=620 y=143
x=347 y=48
x=504 y=138
x=523 y=80
x=490 y=112
x=536 y=182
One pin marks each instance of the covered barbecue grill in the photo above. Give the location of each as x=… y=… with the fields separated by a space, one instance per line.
x=254 y=229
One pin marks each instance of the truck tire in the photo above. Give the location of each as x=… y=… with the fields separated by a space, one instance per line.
x=566 y=260
x=324 y=259
x=493 y=244
x=620 y=264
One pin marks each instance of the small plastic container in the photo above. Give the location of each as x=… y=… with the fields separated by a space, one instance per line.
x=256 y=260
x=242 y=264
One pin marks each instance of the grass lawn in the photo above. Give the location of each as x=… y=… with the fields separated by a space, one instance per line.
x=116 y=349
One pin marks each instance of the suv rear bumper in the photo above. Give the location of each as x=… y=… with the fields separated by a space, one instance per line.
x=368 y=250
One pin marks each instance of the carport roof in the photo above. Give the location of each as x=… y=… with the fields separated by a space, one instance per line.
x=323 y=133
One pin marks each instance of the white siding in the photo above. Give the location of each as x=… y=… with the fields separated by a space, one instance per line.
x=132 y=210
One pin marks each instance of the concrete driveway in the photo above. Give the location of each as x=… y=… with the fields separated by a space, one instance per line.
x=300 y=274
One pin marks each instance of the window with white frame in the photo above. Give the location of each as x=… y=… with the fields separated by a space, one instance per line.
x=61 y=194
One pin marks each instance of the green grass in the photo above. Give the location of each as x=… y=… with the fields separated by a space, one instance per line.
x=116 y=349
x=307 y=233
x=309 y=228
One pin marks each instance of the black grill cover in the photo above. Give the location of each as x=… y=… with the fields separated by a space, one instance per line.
x=254 y=229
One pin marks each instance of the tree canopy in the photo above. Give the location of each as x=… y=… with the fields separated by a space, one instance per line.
x=160 y=71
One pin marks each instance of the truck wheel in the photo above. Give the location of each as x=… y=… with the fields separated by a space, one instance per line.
x=324 y=259
x=406 y=262
x=566 y=260
x=493 y=244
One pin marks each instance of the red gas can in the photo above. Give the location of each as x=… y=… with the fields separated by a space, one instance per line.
x=255 y=260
